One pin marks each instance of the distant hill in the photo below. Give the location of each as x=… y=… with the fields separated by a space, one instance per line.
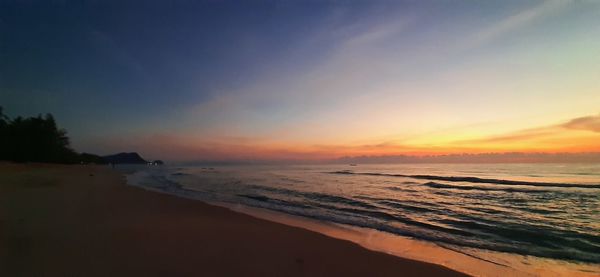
x=125 y=158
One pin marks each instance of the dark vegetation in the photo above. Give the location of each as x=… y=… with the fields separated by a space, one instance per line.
x=38 y=139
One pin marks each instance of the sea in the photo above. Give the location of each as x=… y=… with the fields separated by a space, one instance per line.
x=546 y=211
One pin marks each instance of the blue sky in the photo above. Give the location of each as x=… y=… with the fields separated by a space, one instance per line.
x=291 y=76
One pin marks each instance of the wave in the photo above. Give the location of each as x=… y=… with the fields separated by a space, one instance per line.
x=469 y=179
x=489 y=226
x=472 y=232
x=446 y=186
x=315 y=196
x=180 y=174
x=276 y=201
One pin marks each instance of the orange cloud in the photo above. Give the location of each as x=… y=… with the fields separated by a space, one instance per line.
x=578 y=134
x=588 y=123
x=521 y=135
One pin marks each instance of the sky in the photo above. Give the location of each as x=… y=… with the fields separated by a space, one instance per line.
x=285 y=80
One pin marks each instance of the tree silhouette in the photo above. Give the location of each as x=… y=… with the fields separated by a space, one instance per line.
x=4 y=140
x=36 y=139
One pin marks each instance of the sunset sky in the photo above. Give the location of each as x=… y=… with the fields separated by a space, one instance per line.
x=307 y=79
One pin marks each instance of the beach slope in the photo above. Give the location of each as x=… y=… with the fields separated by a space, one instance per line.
x=60 y=220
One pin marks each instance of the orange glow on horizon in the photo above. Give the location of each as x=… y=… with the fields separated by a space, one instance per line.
x=568 y=137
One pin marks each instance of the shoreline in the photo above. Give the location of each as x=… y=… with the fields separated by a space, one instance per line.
x=85 y=220
x=481 y=263
x=477 y=262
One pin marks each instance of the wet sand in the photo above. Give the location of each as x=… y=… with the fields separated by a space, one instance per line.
x=60 y=220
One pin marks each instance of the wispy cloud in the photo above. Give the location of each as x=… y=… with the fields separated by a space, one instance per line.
x=521 y=135
x=588 y=123
x=352 y=67
x=557 y=135
x=515 y=21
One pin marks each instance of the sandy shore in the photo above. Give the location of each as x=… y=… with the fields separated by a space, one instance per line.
x=84 y=221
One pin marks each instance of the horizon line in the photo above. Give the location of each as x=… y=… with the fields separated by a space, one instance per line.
x=488 y=157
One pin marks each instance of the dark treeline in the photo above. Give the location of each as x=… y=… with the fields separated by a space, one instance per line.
x=37 y=139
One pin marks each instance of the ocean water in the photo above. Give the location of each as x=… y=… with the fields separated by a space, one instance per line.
x=540 y=210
